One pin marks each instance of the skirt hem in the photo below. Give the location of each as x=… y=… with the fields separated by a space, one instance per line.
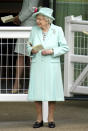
x=45 y=100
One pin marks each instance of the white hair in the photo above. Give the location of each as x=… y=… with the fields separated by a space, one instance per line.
x=47 y=18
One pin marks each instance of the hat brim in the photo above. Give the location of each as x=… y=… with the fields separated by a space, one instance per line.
x=35 y=14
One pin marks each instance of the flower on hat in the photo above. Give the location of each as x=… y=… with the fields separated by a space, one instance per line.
x=35 y=9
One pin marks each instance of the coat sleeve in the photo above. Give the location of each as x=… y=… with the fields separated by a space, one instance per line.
x=23 y=15
x=62 y=44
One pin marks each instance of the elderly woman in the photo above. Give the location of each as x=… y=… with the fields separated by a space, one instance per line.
x=45 y=77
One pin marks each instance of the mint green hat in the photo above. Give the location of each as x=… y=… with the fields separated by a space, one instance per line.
x=45 y=11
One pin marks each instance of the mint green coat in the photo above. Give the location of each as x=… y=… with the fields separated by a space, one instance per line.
x=45 y=74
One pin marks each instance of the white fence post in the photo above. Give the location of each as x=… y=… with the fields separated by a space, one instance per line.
x=45 y=111
x=68 y=69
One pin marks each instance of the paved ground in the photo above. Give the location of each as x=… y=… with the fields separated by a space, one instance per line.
x=69 y=116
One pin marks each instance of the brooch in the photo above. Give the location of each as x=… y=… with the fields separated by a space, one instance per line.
x=54 y=31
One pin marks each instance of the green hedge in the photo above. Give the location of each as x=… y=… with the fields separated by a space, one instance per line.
x=68 y=8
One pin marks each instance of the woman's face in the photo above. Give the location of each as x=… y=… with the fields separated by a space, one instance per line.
x=41 y=21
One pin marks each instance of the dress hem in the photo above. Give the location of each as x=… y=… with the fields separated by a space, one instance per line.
x=44 y=100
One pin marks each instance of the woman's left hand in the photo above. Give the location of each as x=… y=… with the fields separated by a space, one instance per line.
x=47 y=52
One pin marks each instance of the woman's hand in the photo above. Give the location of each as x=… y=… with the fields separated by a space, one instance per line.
x=16 y=20
x=47 y=52
x=34 y=52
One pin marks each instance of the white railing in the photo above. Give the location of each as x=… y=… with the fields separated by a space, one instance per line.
x=13 y=33
x=76 y=61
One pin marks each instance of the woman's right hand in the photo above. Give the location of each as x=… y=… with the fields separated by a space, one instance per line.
x=34 y=52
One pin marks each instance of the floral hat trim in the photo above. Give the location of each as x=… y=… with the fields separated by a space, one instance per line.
x=35 y=9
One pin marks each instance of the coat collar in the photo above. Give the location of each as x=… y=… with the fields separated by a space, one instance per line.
x=49 y=33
